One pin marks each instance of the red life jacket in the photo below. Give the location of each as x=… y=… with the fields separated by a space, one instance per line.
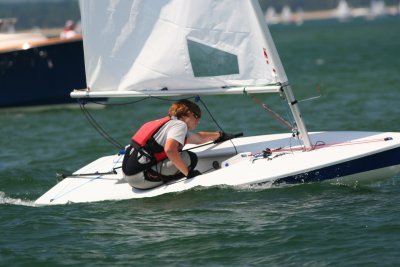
x=143 y=138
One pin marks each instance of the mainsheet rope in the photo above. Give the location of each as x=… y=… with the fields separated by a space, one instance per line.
x=98 y=128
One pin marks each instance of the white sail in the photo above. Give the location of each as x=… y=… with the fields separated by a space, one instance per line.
x=343 y=11
x=287 y=15
x=177 y=45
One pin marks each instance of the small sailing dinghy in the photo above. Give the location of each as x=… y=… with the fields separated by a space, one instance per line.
x=204 y=47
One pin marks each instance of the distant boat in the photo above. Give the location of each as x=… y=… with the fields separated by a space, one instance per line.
x=270 y=16
x=343 y=11
x=299 y=18
x=35 y=70
x=377 y=9
x=287 y=16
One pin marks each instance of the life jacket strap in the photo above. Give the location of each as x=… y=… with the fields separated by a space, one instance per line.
x=152 y=150
x=142 y=151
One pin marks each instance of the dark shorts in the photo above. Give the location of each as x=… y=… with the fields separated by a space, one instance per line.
x=139 y=169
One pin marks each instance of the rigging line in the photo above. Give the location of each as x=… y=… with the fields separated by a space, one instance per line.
x=62 y=176
x=357 y=142
x=289 y=115
x=145 y=98
x=170 y=100
x=133 y=102
x=120 y=104
x=197 y=98
x=273 y=113
x=321 y=144
x=98 y=128
x=209 y=113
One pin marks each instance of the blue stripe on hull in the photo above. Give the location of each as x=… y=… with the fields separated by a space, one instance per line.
x=380 y=160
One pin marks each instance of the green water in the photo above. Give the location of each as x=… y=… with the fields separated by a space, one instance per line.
x=355 y=64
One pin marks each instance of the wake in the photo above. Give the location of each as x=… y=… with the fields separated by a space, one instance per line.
x=15 y=201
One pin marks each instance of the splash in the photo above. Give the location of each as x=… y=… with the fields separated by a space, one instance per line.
x=15 y=201
x=247 y=187
x=256 y=187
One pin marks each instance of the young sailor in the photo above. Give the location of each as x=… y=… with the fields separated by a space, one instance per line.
x=155 y=155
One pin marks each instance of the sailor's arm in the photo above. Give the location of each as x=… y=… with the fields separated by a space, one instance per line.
x=171 y=148
x=202 y=137
x=217 y=137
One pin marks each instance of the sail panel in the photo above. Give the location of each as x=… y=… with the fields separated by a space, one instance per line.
x=176 y=44
x=207 y=61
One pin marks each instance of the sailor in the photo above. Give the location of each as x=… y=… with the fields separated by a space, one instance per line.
x=155 y=154
x=69 y=30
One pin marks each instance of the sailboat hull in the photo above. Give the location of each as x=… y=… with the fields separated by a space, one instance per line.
x=337 y=157
x=375 y=164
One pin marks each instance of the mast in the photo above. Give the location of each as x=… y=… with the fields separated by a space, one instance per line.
x=281 y=75
x=294 y=107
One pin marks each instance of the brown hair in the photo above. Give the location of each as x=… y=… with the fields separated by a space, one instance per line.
x=183 y=107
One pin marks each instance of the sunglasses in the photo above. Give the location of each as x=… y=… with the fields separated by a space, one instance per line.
x=196 y=116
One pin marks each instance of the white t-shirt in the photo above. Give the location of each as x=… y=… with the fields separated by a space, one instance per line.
x=173 y=129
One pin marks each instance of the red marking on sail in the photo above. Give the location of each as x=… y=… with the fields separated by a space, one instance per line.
x=266 y=55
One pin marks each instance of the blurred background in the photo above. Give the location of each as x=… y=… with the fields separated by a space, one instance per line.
x=54 y=13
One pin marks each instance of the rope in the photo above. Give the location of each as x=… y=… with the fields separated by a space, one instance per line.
x=273 y=113
x=320 y=144
x=198 y=99
x=98 y=128
x=352 y=142
x=120 y=103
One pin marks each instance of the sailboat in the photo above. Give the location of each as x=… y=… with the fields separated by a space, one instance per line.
x=33 y=67
x=183 y=48
x=377 y=9
x=343 y=11
x=287 y=15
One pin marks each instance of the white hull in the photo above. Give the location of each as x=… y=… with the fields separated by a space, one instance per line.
x=343 y=157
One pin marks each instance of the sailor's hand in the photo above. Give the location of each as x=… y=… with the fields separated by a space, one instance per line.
x=226 y=136
x=193 y=173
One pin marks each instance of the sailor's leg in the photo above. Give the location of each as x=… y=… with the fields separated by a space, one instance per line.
x=168 y=170
x=139 y=181
x=133 y=167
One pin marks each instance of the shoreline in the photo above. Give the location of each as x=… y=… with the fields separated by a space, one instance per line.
x=300 y=16
x=297 y=17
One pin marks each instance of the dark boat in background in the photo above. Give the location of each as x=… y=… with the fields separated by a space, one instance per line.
x=39 y=71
